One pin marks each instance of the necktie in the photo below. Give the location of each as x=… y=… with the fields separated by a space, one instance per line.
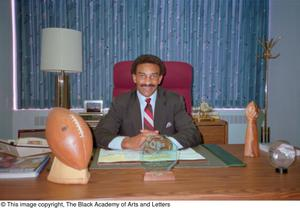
x=148 y=116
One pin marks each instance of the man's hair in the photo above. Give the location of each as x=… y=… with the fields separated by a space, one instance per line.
x=150 y=59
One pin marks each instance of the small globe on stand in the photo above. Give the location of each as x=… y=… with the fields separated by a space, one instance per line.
x=281 y=155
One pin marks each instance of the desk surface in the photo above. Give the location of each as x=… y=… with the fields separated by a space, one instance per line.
x=256 y=181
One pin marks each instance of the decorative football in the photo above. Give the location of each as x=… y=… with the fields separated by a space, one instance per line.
x=69 y=138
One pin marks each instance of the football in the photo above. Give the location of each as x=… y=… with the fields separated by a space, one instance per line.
x=69 y=138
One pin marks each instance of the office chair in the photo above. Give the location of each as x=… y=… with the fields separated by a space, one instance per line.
x=178 y=78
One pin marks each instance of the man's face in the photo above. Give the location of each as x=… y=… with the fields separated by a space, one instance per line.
x=147 y=78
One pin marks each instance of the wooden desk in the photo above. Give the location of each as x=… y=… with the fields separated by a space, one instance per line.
x=256 y=181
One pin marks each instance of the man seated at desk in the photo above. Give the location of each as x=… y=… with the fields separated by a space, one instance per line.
x=147 y=110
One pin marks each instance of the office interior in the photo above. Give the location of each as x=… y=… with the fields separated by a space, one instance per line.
x=284 y=73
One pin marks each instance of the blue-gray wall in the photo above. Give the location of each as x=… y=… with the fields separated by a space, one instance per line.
x=284 y=93
x=6 y=98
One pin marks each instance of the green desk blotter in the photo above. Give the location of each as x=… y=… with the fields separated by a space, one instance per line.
x=215 y=157
x=225 y=156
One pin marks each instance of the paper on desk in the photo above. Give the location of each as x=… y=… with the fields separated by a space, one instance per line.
x=24 y=147
x=107 y=156
x=190 y=154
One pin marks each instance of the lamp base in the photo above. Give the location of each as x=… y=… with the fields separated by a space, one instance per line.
x=62 y=91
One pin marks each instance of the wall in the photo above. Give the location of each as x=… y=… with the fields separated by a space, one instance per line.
x=6 y=94
x=284 y=87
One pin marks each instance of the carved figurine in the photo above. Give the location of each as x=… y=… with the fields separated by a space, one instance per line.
x=251 y=138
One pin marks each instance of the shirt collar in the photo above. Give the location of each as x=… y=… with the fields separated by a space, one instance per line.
x=142 y=98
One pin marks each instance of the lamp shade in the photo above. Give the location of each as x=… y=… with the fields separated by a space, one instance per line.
x=61 y=50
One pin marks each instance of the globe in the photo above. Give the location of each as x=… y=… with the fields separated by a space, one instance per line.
x=281 y=155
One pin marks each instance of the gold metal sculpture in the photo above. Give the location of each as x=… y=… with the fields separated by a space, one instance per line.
x=267 y=55
x=206 y=112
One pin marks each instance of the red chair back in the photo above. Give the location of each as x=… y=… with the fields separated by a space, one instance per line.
x=178 y=78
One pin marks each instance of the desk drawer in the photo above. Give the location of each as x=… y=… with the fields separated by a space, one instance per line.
x=213 y=132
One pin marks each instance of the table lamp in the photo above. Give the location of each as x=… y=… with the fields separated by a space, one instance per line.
x=61 y=51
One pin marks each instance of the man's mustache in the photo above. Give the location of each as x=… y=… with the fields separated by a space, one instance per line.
x=147 y=85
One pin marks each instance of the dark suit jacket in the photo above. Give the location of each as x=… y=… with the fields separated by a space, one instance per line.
x=170 y=118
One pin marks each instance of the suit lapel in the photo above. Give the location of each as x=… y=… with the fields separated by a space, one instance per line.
x=160 y=110
x=135 y=112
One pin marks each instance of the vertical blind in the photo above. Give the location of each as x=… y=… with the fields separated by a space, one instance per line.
x=218 y=38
